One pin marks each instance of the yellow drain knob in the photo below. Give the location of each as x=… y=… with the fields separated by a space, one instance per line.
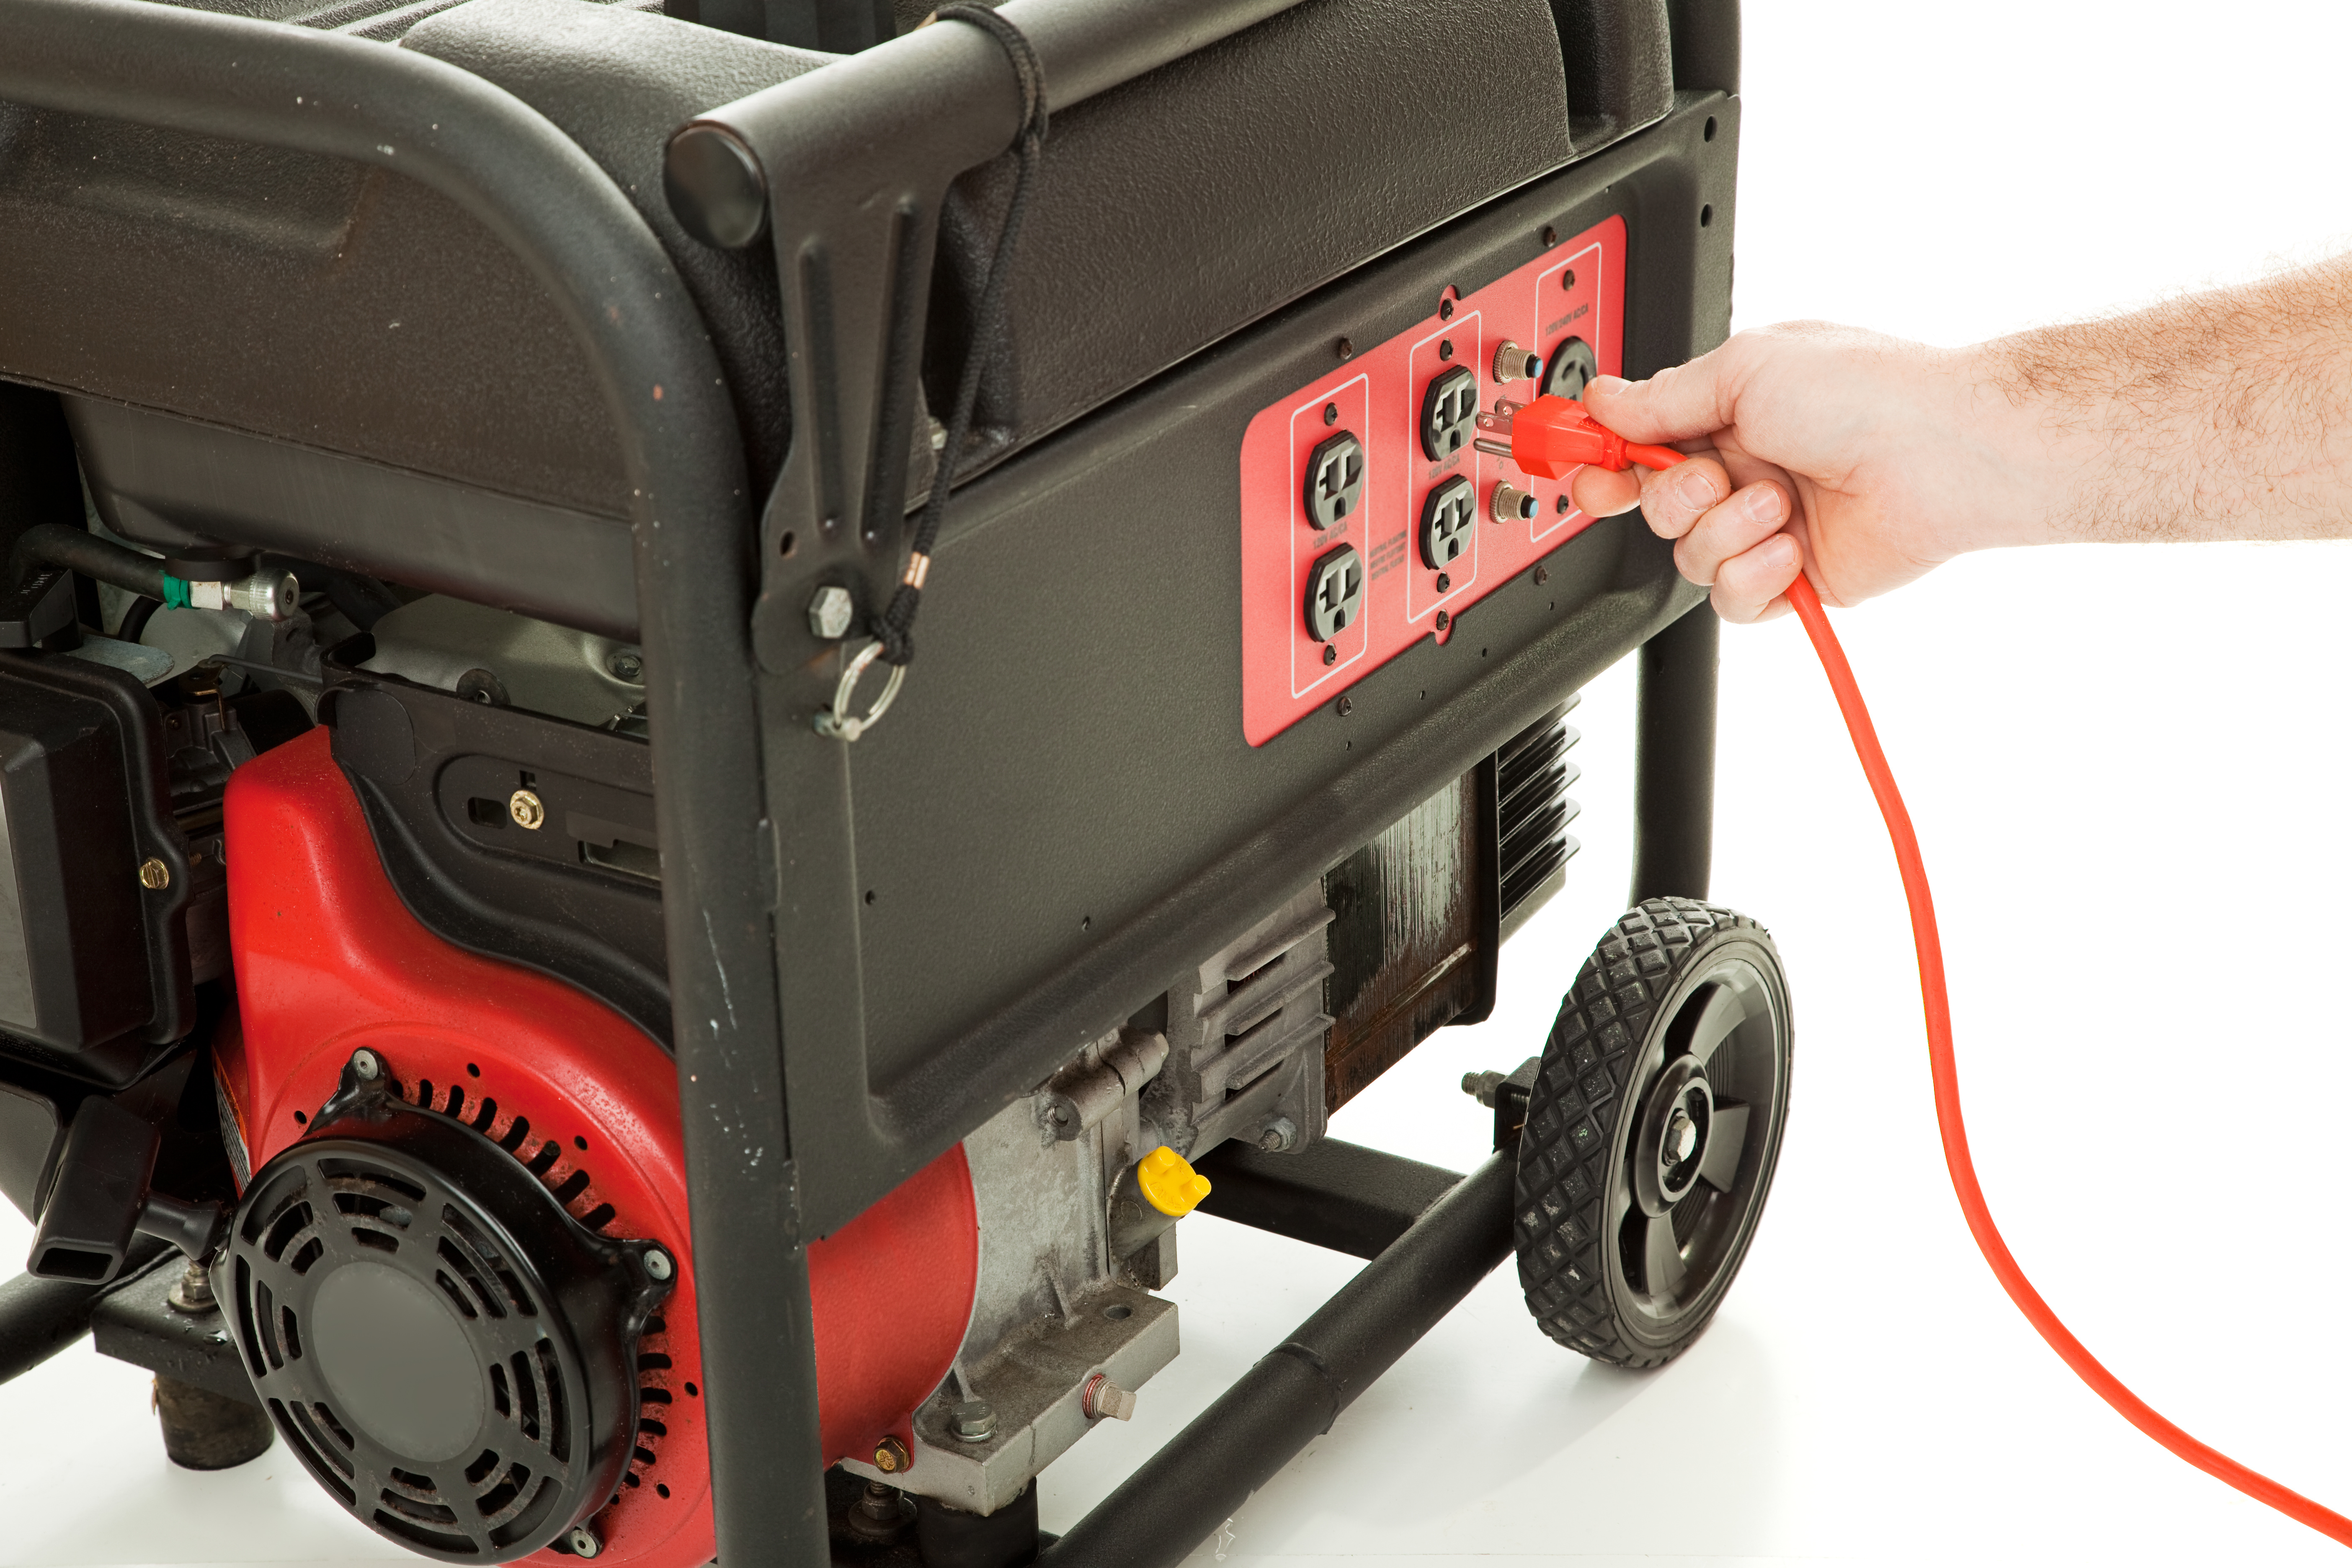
x=1171 y=1185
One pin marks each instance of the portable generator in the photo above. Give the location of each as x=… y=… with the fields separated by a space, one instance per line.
x=531 y=974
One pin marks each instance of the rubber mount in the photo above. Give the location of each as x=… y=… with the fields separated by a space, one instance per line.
x=451 y=1353
x=1652 y=1131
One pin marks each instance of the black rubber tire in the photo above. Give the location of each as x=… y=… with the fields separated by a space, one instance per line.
x=1606 y=1051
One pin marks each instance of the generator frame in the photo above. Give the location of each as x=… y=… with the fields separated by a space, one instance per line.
x=790 y=1130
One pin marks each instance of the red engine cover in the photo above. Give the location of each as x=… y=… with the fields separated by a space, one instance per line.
x=328 y=959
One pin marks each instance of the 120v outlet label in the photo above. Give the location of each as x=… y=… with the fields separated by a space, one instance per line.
x=1369 y=518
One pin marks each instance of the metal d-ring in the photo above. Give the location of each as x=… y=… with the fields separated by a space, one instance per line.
x=830 y=721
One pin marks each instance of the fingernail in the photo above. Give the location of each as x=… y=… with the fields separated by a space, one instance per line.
x=1780 y=552
x=1695 y=488
x=1612 y=385
x=1764 y=503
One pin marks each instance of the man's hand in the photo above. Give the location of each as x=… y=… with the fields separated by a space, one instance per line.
x=2219 y=415
x=1813 y=443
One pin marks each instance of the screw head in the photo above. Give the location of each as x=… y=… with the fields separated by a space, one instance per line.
x=626 y=664
x=366 y=1065
x=890 y=1457
x=153 y=875
x=527 y=809
x=830 y=613
x=1443 y=620
x=973 y=1420
x=658 y=1263
x=582 y=1541
x=1330 y=654
x=1543 y=576
x=1346 y=705
x=1444 y=583
x=1344 y=348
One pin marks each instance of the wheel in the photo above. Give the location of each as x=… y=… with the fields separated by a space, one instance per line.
x=1652 y=1127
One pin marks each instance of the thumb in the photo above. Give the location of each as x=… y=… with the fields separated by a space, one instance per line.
x=1682 y=403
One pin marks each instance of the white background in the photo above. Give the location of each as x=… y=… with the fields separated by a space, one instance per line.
x=2128 y=767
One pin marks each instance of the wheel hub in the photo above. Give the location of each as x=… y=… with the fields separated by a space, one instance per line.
x=1670 y=1148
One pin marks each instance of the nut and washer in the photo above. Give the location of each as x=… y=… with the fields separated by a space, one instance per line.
x=973 y=1420
x=153 y=875
x=658 y=1263
x=582 y=1541
x=1279 y=1136
x=366 y=1065
x=527 y=809
x=830 y=613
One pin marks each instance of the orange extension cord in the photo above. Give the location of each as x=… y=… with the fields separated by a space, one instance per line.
x=1552 y=435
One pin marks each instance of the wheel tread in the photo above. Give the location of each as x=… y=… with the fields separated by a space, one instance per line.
x=1564 y=1166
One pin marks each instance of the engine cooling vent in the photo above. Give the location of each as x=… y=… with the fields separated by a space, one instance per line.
x=1532 y=773
x=451 y=1353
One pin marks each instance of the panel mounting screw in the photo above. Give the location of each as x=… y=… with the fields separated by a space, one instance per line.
x=890 y=1457
x=366 y=1065
x=527 y=809
x=626 y=664
x=830 y=613
x=1543 y=576
x=153 y=875
x=1344 y=348
x=1551 y=237
x=1330 y=654
x=658 y=1263
x=1443 y=620
x=973 y=1420
x=1346 y=705
x=582 y=1541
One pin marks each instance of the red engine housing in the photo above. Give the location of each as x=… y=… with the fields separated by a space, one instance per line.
x=328 y=960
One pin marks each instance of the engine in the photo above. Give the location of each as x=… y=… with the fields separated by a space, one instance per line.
x=414 y=904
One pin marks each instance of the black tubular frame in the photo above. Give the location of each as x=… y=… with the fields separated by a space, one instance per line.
x=698 y=588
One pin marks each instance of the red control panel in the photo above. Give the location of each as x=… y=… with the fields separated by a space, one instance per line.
x=1370 y=518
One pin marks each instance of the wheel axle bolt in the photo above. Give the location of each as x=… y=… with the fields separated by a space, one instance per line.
x=1682 y=1138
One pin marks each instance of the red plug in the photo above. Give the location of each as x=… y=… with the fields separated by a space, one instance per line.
x=1552 y=436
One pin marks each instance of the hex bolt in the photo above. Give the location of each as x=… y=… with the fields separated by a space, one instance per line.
x=973 y=1420
x=830 y=613
x=527 y=809
x=1682 y=1137
x=1280 y=1136
x=1513 y=362
x=582 y=1541
x=1102 y=1398
x=626 y=664
x=366 y=1065
x=1509 y=503
x=890 y=1457
x=658 y=1263
x=153 y=875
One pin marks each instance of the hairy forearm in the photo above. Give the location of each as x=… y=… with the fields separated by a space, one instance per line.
x=2225 y=415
